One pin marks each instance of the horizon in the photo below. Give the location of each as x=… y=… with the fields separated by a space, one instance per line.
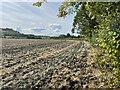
x=37 y=35
x=28 y=19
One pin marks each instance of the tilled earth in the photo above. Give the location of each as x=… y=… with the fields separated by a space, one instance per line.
x=61 y=64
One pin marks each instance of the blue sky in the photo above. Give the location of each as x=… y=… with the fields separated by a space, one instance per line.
x=23 y=17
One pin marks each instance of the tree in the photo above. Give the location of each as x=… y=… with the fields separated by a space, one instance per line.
x=99 y=22
x=68 y=35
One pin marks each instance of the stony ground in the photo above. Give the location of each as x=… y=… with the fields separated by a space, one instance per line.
x=49 y=64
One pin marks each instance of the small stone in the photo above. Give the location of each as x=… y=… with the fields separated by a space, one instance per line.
x=85 y=86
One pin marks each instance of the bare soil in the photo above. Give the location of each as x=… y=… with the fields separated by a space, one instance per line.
x=36 y=64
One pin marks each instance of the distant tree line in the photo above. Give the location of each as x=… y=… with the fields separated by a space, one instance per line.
x=67 y=36
x=10 y=33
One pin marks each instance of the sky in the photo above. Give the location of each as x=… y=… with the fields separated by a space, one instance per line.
x=28 y=19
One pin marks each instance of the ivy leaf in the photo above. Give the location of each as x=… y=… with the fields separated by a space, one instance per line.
x=114 y=33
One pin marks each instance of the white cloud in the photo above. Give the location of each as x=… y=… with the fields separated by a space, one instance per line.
x=55 y=27
x=27 y=31
x=38 y=29
x=34 y=30
x=28 y=17
x=18 y=29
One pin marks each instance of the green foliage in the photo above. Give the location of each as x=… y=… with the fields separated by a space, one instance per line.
x=108 y=36
x=38 y=4
x=99 y=22
x=68 y=35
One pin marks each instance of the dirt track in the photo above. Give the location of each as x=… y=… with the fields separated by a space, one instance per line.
x=48 y=64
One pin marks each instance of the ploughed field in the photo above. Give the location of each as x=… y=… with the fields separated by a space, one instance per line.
x=28 y=63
